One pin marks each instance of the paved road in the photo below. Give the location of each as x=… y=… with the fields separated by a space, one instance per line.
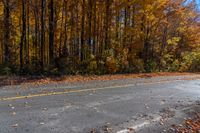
x=119 y=106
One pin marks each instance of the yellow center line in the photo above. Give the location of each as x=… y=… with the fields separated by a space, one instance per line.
x=89 y=90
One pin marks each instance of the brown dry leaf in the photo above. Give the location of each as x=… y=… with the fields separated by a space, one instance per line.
x=131 y=129
x=190 y=125
x=15 y=125
x=13 y=113
x=108 y=129
x=93 y=131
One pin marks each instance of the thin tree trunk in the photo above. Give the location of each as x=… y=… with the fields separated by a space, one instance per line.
x=51 y=31
x=107 y=24
x=61 y=31
x=28 y=34
x=90 y=24
x=65 y=49
x=94 y=28
x=23 y=35
x=42 y=43
x=6 y=31
x=82 y=29
x=35 y=41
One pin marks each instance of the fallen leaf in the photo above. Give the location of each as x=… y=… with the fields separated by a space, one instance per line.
x=15 y=125
x=131 y=129
x=13 y=113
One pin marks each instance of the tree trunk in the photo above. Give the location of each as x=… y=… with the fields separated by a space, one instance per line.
x=94 y=29
x=90 y=24
x=6 y=32
x=65 y=49
x=51 y=32
x=23 y=35
x=28 y=34
x=61 y=31
x=82 y=29
x=42 y=41
x=107 y=24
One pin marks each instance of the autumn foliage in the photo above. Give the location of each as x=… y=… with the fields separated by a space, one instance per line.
x=98 y=36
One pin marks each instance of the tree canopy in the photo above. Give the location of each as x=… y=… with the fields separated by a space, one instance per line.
x=98 y=36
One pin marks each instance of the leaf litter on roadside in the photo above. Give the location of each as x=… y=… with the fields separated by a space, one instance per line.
x=191 y=125
x=25 y=81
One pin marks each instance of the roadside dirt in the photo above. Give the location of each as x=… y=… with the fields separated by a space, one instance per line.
x=17 y=80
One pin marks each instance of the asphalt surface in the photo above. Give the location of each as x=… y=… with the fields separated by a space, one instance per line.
x=140 y=105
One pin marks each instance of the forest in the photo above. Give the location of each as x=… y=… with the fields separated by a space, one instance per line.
x=98 y=36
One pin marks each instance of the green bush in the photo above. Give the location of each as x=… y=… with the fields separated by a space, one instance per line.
x=5 y=70
x=190 y=62
x=151 y=66
x=92 y=67
x=175 y=66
